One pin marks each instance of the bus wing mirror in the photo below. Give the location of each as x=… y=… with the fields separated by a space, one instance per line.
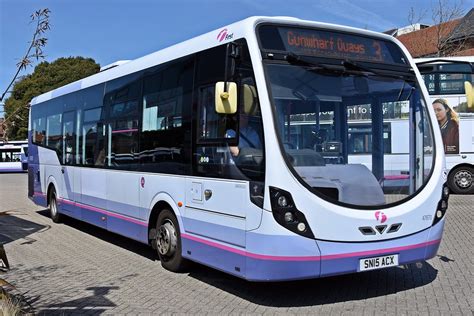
x=226 y=99
x=469 y=94
x=250 y=99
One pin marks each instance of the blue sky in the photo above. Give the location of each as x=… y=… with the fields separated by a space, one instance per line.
x=111 y=30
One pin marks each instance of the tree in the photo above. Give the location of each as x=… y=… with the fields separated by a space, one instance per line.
x=443 y=14
x=46 y=77
x=37 y=43
x=35 y=50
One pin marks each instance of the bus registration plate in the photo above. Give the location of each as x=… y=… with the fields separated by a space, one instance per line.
x=378 y=262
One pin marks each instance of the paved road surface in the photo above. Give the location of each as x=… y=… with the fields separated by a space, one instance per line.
x=77 y=268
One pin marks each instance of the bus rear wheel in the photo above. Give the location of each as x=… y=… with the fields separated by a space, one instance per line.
x=168 y=242
x=461 y=180
x=53 y=206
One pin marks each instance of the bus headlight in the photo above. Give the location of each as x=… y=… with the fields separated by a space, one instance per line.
x=282 y=201
x=445 y=191
x=287 y=215
x=442 y=204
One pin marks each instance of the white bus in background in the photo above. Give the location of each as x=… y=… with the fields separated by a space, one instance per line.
x=14 y=156
x=451 y=78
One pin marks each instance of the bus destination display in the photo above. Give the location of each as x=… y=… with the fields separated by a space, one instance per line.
x=329 y=44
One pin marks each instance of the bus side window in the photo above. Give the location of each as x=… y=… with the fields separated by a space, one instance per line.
x=53 y=133
x=90 y=128
x=39 y=130
x=69 y=137
x=167 y=99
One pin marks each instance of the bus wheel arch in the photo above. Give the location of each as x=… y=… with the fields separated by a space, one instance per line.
x=52 y=200
x=155 y=212
x=164 y=235
x=460 y=179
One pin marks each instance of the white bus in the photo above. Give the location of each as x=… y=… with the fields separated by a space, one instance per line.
x=451 y=79
x=195 y=150
x=14 y=156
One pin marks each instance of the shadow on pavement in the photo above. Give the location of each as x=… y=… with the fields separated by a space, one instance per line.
x=328 y=290
x=110 y=237
x=358 y=286
x=14 y=228
x=96 y=303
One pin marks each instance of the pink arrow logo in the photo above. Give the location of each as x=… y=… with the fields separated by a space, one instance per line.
x=222 y=34
x=380 y=217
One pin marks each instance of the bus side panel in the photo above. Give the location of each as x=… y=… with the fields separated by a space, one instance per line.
x=221 y=214
x=155 y=188
x=122 y=191
x=93 y=199
x=35 y=189
x=49 y=171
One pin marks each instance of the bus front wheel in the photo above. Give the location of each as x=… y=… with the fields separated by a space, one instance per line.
x=461 y=180
x=168 y=242
x=53 y=206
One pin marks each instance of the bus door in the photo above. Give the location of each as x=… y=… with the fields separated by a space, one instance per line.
x=93 y=184
x=215 y=199
x=68 y=160
x=123 y=186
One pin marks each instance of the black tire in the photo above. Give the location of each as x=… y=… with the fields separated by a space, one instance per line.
x=53 y=206
x=461 y=180
x=168 y=242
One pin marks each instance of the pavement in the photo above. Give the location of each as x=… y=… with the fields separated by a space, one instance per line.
x=76 y=268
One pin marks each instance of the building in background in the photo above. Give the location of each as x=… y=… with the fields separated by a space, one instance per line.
x=451 y=38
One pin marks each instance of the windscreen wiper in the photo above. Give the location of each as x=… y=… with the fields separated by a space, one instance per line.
x=406 y=75
x=295 y=59
x=346 y=66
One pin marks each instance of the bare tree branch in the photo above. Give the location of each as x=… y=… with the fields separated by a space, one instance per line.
x=414 y=18
x=42 y=25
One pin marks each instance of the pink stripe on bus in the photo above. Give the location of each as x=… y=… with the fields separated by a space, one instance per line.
x=102 y=211
x=379 y=251
x=396 y=177
x=309 y=258
x=125 y=130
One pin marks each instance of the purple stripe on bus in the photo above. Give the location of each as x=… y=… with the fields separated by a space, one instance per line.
x=310 y=258
x=380 y=251
x=102 y=211
x=264 y=268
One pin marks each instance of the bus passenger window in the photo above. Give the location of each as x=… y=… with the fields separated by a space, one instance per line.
x=53 y=133
x=167 y=97
x=92 y=140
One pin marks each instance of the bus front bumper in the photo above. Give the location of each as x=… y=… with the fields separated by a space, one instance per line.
x=332 y=258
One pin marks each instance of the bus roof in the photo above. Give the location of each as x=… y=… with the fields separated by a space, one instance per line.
x=14 y=142
x=211 y=39
x=442 y=60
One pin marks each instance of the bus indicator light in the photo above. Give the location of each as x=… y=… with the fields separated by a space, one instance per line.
x=288 y=217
